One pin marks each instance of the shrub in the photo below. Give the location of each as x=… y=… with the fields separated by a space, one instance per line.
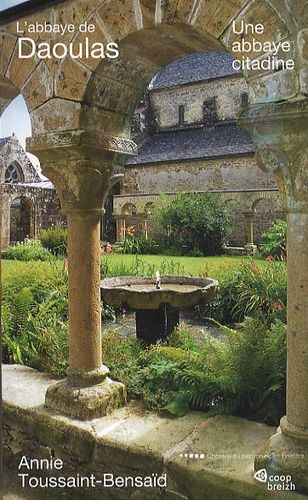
x=244 y=374
x=192 y=224
x=55 y=240
x=26 y=251
x=274 y=241
x=137 y=245
x=248 y=291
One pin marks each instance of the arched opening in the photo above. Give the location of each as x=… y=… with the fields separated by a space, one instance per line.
x=130 y=221
x=265 y=213
x=108 y=223
x=22 y=219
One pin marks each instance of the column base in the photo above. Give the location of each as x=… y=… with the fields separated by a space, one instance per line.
x=86 y=400
x=251 y=249
x=284 y=454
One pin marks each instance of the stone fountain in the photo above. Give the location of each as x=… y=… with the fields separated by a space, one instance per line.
x=157 y=301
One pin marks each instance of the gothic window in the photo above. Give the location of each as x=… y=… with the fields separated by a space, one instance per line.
x=181 y=115
x=244 y=102
x=210 y=111
x=12 y=175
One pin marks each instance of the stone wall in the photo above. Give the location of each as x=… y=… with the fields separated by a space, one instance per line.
x=45 y=211
x=234 y=172
x=265 y=205
x=227 y=90
x=28 y=204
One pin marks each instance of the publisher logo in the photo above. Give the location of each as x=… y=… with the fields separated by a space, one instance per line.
x=275 y=482
x=261 y=475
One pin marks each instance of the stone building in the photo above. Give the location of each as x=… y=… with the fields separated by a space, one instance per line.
x=29 y=203
x=189 y=141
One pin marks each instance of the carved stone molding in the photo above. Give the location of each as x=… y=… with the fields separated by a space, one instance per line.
x=82 y=166
x=280 y=134
x=81 y=143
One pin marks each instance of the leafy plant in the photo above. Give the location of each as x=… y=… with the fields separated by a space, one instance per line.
x=26 y=251
x=137 y=245
x=192 y=224
x=248 y=291
x=243 y=374
x=55 y=240
x=274 y=241
x=17 y=337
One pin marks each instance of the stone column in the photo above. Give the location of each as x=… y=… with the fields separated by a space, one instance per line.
x=296 y=421
x=250 y=247
x=145 y=226
x=84 y=293
x=280 y=132
x=83 y=173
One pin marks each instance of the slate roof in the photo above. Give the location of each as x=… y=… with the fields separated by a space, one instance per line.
x=194 y=68
x=194 y=143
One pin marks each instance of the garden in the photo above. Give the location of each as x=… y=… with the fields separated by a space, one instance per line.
x=241 y=371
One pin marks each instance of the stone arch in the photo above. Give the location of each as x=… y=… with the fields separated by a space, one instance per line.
x=130 y=220
x=266 y=209
x=129 y=209
x=150 y=35
x=272 y=197
x=178 y=30
x=148 y=208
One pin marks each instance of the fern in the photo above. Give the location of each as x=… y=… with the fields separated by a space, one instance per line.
x=20 y=308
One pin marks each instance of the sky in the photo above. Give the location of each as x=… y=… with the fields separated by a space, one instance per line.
x=16 y=119
x=6 y=4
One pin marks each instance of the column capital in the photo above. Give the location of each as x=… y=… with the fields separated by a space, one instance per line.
x=82 y=166
x=279 y=131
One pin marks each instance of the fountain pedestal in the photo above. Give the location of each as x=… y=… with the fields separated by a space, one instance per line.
x=152 y=325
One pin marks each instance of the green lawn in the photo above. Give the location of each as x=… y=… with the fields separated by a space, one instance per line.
x=196 y=266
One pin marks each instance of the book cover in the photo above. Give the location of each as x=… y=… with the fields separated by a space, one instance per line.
x=154 y=230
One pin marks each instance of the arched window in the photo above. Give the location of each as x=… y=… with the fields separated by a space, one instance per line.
x=12 y=174
x=244 y=99
x=181 y=115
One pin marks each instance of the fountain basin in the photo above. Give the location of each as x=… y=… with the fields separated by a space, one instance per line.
x=140 y=293
x=157 y=310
